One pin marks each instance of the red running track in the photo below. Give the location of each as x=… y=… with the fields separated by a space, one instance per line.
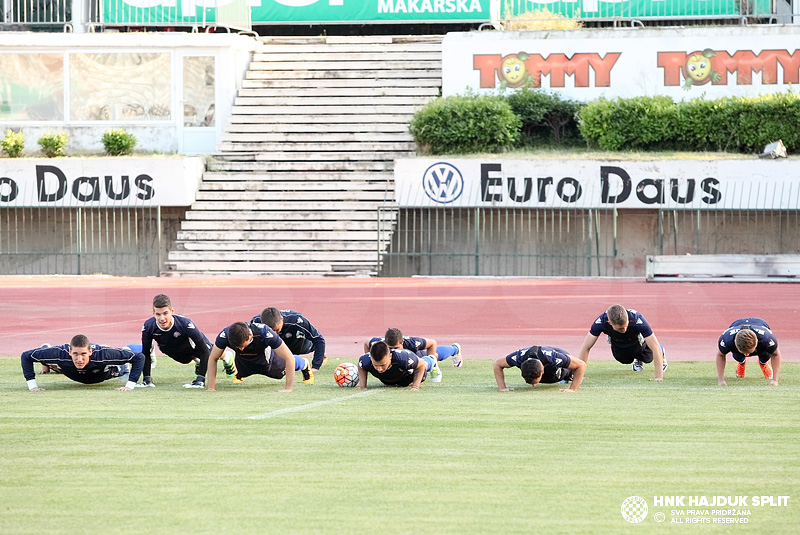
x=489 y=317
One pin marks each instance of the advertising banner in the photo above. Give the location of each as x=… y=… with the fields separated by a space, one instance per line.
x=588 y=64
x=99 y=182
x=299 y=11
x=562 y=184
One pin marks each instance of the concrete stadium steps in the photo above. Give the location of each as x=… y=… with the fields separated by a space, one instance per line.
x=306 y=160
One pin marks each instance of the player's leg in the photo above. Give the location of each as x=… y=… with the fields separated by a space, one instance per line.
x=452 y=350
x=432 y=367
x=303 y=365
x=766 y=369
x=740 y=365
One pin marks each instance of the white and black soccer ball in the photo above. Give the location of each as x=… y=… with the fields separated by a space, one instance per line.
x=346 y=375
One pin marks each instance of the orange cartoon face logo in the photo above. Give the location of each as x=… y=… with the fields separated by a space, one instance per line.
x=697 y=69
x=512 y=71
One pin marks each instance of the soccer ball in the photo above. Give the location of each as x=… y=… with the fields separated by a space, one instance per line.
x=346 y=374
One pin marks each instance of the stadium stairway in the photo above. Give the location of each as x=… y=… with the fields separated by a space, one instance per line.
x=307 y=159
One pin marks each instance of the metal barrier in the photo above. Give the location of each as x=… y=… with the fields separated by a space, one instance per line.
x=123 y=241
x=573 y=242
x=29 y=14
x=95 y=14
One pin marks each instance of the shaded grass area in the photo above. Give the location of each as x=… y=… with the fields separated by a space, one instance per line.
x=456 y=458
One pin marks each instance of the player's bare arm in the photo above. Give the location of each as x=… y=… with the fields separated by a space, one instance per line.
x=419 y=373
x=362 y=379
x=284 y=354
x=211 y=372
x=658 y=357
x=588 y=344
x=776 y=367
x=430 y=346
x=499 y=374
x=721 y=369
x=578 y=368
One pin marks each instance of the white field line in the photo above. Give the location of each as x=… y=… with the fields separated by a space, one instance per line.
x=280 y=412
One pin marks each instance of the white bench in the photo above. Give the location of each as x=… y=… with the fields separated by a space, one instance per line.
x=724 y=268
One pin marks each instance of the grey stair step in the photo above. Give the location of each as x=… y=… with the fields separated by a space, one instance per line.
x=308 y=158
x=368 y=49
x=355 y=119
x=267 y=83
x=320 y=92
x=257 y=256
x=332 y=127
x=278 y=246
x=320 y=176
x=316 y=111
x=317 y=147
x=343 y=101
x=274 y=209
x=299 y=166
x=279 y=226
x=309 y=235
x=289 y=196
x=221 y=212
x=341 y=56
x=434 y=73
x=295 y=186
x=319 y=138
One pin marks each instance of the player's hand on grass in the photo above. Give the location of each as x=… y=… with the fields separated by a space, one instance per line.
x=37 y=389
x=657 y=379
x=124 y=389
x=506 y=389
x=567 y=390
x=722 y=383
x=773 y=382
x=413 y=387
x=285 y=391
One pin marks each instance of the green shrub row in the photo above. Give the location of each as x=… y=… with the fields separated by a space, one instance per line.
x=530 y=117
x=115 y=142
x=731 y=124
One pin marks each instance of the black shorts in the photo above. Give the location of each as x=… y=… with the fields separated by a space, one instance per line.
x=275 y=369
x=627 y=353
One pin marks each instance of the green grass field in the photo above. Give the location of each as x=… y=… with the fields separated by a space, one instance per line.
x=456 y=458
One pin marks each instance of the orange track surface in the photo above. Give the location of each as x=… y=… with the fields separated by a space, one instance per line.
x=489 y=317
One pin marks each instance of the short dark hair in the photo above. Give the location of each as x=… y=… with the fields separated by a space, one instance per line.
x=161 y=301
x=393 y=337
x=270 y=317
x=238 y=333
x=79 y=340
x=531 y=369
x=379 y=350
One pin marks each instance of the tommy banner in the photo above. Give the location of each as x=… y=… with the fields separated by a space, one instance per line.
x=561 y=184
x=588 y=64
x=299 y=11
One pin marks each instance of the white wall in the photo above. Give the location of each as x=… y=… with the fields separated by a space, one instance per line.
x=232 y=52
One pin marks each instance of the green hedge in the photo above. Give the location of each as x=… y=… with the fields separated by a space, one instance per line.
x=732 y=124
x=465 y=124
x=469 y=124
x=546 y=118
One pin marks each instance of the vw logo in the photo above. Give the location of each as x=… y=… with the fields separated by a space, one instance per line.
x=443 y=183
